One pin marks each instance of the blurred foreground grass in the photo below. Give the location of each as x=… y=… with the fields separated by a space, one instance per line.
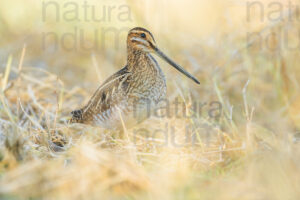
x=250 y=152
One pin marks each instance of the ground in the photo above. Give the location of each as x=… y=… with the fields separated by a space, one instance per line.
x=235 y=136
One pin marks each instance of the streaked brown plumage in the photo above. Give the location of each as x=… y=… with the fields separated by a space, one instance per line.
x=128 y=95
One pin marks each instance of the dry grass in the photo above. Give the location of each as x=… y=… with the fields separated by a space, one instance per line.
x=251 y=152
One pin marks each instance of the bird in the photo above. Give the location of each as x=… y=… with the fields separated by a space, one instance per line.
x=128 y=96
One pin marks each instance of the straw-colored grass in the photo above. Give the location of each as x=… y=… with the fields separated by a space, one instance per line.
x=251 y=151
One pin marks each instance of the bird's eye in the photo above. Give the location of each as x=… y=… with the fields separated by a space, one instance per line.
x=143 y=35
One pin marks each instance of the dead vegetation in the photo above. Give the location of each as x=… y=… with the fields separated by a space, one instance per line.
x=250 y=152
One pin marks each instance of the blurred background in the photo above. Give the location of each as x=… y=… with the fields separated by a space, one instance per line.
x=54 y=55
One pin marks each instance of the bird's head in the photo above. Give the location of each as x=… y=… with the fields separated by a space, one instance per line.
x=142 y=40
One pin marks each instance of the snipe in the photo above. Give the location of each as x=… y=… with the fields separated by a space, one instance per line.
x=127 y=96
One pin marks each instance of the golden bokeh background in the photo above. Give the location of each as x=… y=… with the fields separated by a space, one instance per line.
x=53 y=56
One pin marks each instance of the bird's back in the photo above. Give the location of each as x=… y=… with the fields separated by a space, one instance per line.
x=126 y=96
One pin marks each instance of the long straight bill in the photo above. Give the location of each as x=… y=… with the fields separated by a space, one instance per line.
x=171 y=62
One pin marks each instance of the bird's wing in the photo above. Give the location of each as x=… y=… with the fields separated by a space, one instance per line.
x=109 y=94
